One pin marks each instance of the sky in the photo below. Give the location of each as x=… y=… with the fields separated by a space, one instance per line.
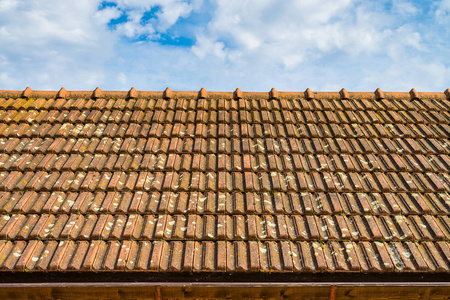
x=291 y=45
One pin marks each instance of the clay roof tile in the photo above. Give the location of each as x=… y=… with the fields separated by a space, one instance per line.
x=414 y=94
x=309 y=94
x=238 y=94
x=273 y=94
x=304 y=183
x=132 y=93
x=62 y=93
x=379 y=94
x=202 y=94
x=27 y=92
x=344 y=94
x=98 y=93
x=447 y=94
x=167 y=94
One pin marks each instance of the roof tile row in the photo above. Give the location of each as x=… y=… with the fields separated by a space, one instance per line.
x=224 y=227
x=313 y=146
x=224 y=256
x=226 y=162
x=30 y=202
x=223 y=116
x=227 y=104
x=370 y=131
x=225 y=181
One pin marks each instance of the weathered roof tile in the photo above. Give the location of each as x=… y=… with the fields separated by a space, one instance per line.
x=231 y=183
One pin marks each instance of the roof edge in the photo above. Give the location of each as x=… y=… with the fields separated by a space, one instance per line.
x=212 y=95
x=223 y=283
x=226 y=290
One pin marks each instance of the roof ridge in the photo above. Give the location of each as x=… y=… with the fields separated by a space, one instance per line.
x=133 y=93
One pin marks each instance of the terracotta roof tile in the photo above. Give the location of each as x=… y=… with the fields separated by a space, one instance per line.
x=299 y=183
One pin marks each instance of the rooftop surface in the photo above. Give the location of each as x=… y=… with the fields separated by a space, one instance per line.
x=224 y=182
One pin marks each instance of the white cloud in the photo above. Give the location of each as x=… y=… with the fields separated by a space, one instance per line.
x=105 y=15
x=171 y=12
x=133 y=27
x=322 y=44
x=289 y=32
x=51 y=43
x=443 y=12
x=251 y=44
x=168 y=13
x=122 y=78
x=8 y=5
x=404 y=7
x=206 y=46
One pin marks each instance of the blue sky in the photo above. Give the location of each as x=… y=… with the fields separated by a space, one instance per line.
x=220 y=45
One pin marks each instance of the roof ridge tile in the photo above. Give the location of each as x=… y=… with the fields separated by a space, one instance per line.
x=132 y=93
x=447 y=94
x=379 y=94
x=238 y=94
x=329 y=95
x=98 y=93
x=167 y=94
x=344 y=94
x=27 y=92
x=202 y=94
x=273 y=94
x=309 y=94
x=414 y=94
x=62 y=93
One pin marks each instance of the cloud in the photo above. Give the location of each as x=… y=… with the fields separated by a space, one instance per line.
x=442 y=12
x=404 y=8
x=251 y=44
x=53 y=42
x=291 y=33
x=122 y=78
x=162 y=15
x=133 y=28
x=206 y=46
x=326 y=43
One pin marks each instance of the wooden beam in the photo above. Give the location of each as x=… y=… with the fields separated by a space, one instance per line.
x=218 y=291
x=333 y=292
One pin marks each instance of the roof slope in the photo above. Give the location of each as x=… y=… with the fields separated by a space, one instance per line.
x=248 y=183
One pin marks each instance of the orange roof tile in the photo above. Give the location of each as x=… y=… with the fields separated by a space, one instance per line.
x=224 y=182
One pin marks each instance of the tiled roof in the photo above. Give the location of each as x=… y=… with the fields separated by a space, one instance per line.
x=243 y=182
